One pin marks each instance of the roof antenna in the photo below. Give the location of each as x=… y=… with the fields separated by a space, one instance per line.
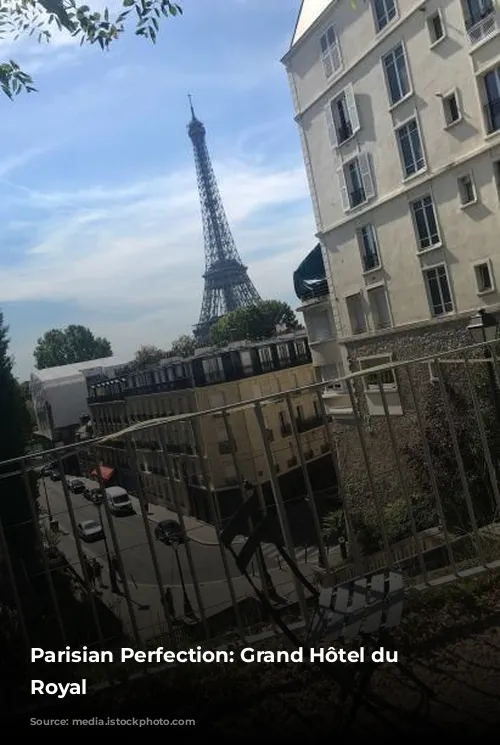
x=191 y=105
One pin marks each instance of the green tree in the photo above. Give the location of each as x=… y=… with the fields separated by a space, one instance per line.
x=72 y=344
x=15 y=512
x=184 y=346
x=37 y=18
x=254 y=322
x=148 y=355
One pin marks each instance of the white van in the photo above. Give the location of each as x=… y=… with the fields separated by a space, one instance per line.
x=119 y=501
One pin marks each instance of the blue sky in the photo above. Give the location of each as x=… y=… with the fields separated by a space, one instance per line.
x=99 y=213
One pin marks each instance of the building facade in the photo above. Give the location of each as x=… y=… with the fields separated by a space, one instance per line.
x=212 y=379
x=398 y=108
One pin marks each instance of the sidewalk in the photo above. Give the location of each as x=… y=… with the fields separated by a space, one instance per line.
x=198 y=531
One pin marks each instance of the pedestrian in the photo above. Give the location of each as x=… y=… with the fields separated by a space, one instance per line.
x=90 y=572
x=97 y=567
x=169 y=599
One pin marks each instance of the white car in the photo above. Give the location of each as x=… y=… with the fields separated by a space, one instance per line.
x=90 y=530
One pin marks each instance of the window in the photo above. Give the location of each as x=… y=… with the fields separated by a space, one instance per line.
x=492 y=104
x=317 y=411
x=425 y=223
x=496 y=175
x=411 y=148
x=342 y=117
x=385 y=11
x=466 y=190
x=355 y=182
x=356 y=313
x=369 y=249
x=266 y=358
x=300 y=413
x=484 y=277
x=329 y=375
x=396 y=72
x=436 y=28
x=386 y=377
x=451 y=109
x=379 y=307
x=319 y=327
x=283 y=353
x=330 y=52
x=438 y=290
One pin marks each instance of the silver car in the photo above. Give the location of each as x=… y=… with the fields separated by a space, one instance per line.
x=90 y=530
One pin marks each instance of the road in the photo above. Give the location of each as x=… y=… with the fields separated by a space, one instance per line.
x=133 y=543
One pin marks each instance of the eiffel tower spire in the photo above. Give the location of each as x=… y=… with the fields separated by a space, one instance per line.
x=227 y=284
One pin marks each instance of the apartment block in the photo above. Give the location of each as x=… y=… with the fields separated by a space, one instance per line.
x=213 y=379
x=397 y=104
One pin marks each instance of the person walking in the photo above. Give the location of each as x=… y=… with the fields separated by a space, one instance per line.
x=97 y=566
x=90 y=572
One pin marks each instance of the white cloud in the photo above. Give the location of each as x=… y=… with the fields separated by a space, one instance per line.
x=136 y=250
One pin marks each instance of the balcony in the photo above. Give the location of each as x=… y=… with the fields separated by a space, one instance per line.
x=312 y=422
x=163 y=387
x=338 y=404
x=480 y=30
x=492 y=115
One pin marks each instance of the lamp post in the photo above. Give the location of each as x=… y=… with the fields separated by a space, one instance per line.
x=483 y=327
x=111 y=568
x=188 y=608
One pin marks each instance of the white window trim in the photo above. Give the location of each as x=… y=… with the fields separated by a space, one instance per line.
x=380 y=31
x=359 y=237
x=385 y=386
x=466 y=205
x=377 y=286
x=438 y=12
x=397 y=127
x=410 y=93
x=425 y=269
x=492 y=277
x=433 y=376
x=361 y=157
x=350 y=97
x=359 y=295
x=435 y=246
x=453 y=92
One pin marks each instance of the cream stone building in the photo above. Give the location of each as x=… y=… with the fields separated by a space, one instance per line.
x=398 y=108
x=212 y=379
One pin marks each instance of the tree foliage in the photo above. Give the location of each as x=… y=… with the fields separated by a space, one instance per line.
x=149 y=355
x=184 y=346
x=72 y=344
x=15 y=512
x=38 y=18
x=254 y=322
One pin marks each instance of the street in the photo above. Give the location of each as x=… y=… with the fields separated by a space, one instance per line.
x=133 y=543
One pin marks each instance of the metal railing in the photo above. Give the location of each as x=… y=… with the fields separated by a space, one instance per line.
x=418 y=489
x=479 y=30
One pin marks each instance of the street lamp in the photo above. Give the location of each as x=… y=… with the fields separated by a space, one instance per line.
x=483 y=327
x=188 y=608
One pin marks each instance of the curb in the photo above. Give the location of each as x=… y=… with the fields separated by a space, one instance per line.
x=191 y=538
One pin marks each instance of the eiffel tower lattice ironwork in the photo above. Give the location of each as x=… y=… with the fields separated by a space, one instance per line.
x=227 y=284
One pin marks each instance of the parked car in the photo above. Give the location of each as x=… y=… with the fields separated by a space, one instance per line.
x=119 y=501
x=90 y=530
x=93 y=494
x=169 y=531
x=77 y=486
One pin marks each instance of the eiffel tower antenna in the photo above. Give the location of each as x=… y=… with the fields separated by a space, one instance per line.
x=227 y=284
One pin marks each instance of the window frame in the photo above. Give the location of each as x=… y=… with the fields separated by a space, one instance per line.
x=455 y=93
x=366 y=176
x=328 y=53
x=433 y=246
x=439 y=14
x=435 y=267
x=380 y=29
x=474 y=200
x=409 y=93
x=372 y=289
x=475 y=266
x=353 y=116
x=397 y=130
x=374 y=387
x=361 y=244
x=359 y=295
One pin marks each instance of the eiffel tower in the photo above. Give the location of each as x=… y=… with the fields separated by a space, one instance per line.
x=227 y=284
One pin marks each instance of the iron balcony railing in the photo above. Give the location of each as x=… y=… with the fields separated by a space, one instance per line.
x=480 y=27
x=383 y=462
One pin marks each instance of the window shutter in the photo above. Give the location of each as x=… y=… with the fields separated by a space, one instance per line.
x=327 y=60
x=344 y=194
x=352 y=109
x=366 y=175
x=330 y=124
x=336 y=55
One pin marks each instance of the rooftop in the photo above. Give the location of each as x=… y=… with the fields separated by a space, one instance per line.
x=77 y=369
